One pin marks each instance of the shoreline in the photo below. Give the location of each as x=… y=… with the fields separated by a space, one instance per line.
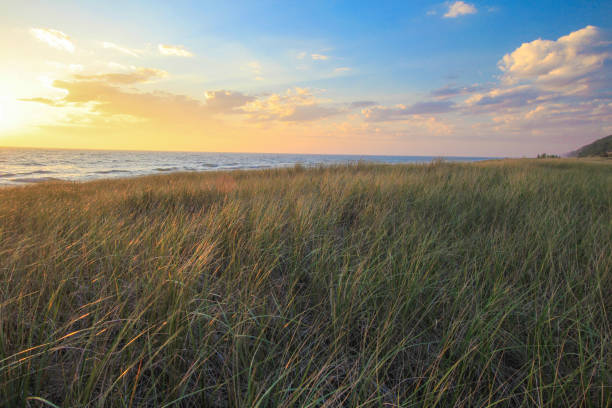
x=12 y=176
x=53 y=180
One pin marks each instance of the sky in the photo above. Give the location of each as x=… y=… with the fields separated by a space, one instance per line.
x=457 y=78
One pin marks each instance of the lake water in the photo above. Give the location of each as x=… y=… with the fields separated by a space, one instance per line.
x=22 y=166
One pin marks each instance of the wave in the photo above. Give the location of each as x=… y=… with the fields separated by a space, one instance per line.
x=34 y=179
x=257 y=166
x=39 y=165
x=111 y=171
x=30 y=173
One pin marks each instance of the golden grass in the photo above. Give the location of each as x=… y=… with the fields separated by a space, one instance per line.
x=483 y=284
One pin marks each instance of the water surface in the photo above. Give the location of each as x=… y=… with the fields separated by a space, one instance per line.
x=22 y=166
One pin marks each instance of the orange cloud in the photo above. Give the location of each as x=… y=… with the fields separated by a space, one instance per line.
x=99 y=100
x=138 y=75
x=226 y=101
x=45 y=101
x=98 y=111
x=401 y=112
x=319 y=57
x=295 y=105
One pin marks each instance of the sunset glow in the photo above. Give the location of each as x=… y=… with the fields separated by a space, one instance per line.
x=321 y=203
x=452 y=78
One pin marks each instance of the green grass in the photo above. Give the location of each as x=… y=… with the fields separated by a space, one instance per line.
x=442 y=285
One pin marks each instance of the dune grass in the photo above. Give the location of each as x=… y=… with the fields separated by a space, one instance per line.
x=472 y=285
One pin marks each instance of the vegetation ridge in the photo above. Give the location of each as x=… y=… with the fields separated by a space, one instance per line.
x=600 y=147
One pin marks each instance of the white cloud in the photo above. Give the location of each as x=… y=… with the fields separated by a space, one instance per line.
x=340 y=70
x=174 y=50
x=555 y=92
x=53 y=38
x=65 y=67
x=561 y=63
x=113 y=46
x=571 y=69
x=551 y=93
x=460 y=8
x=118 y=67
x=319 y=57
x=75 y=67
x=46 y=81
x=255 y=66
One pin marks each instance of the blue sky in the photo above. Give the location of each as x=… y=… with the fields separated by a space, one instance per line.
x=410 y=77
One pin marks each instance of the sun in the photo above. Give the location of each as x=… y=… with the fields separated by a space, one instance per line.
x=4 y=120
x=13 y=114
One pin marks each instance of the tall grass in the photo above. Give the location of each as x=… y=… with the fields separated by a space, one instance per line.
x=364 y=285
